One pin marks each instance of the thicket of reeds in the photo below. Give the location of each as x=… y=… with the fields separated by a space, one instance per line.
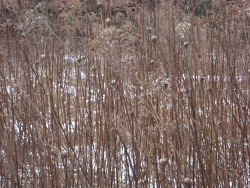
x=160 y=101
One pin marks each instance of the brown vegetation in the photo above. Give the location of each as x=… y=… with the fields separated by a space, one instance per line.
x=143 y=98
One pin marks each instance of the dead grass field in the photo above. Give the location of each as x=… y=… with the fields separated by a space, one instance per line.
x=154 y=98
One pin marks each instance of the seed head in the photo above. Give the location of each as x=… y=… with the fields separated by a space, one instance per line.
x=108 y=21
x=64 y=155
x=54 y=152
x=99 y=4
x=149 y=29
x=163 y=162
x=187 y=182
x=185 y=44
x=154 y=38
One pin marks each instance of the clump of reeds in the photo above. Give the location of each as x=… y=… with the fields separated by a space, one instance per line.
x=159 y=101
